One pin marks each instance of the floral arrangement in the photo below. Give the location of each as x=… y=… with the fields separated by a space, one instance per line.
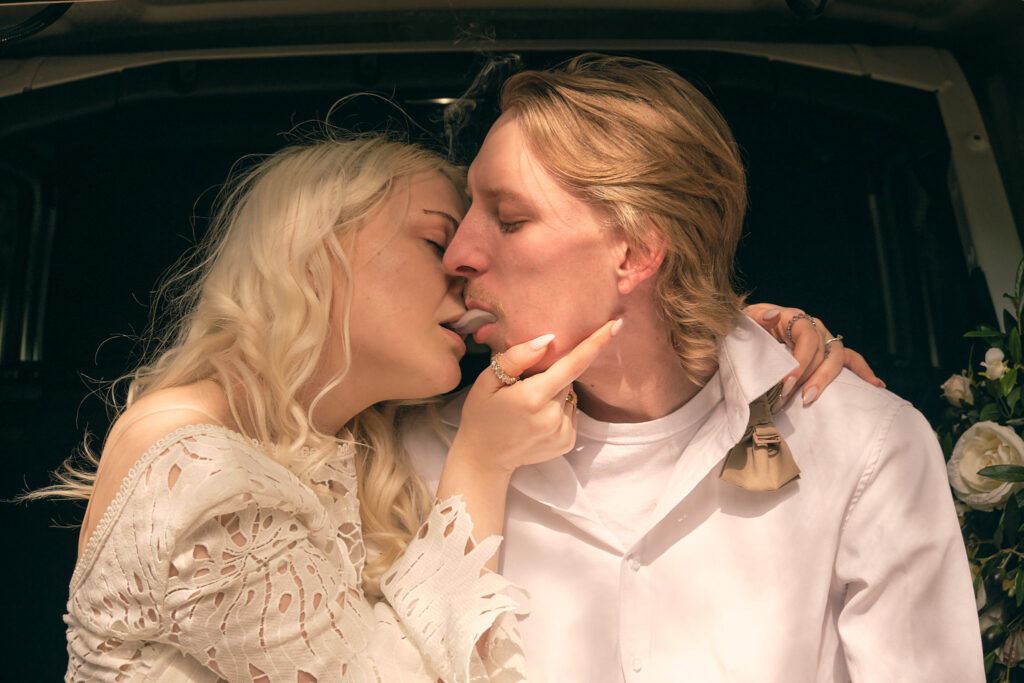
x=980 y=437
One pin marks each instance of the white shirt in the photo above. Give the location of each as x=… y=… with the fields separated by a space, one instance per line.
x=856 y=571
x=610 y=458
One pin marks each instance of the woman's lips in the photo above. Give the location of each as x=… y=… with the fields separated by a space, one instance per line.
x=472 y=320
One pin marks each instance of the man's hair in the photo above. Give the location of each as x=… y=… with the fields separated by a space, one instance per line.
x=648 y=150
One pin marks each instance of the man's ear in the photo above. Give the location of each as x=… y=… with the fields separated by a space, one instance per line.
x=639 y=261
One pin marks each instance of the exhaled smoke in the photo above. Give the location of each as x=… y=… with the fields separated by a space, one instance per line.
x=474 y=111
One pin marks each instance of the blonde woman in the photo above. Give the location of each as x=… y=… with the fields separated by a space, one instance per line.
x=251 y=517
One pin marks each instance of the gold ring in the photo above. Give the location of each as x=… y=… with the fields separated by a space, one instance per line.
x=571 y=397
x=789 y=327
x=499 y=372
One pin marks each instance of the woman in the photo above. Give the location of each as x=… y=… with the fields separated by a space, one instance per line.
x=252 y=516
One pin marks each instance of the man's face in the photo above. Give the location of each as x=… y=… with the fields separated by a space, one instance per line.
x=532 y=253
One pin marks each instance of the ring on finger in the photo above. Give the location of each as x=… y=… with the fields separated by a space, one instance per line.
x=499 y=372
x=570 y=398
x=789 y=327
x=837 y=338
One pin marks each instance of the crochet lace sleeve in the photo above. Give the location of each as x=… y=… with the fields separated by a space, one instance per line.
x=260 y=585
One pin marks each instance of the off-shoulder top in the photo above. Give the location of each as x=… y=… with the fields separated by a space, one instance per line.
x=215 y=562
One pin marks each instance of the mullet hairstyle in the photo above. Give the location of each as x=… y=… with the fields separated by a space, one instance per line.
x=653 y=155
x=252 y=311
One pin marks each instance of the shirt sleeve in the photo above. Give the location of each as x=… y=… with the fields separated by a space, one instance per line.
x=909 y=613
x=258 y=586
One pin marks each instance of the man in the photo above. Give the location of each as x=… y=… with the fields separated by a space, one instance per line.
x=612 y=188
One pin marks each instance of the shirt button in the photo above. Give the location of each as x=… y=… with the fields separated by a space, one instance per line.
x=637 y=664
x=634 y=563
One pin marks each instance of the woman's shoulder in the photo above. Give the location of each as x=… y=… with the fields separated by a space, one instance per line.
x=149 y=423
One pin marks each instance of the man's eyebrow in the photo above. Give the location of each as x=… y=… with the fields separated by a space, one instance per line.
x=451 y=219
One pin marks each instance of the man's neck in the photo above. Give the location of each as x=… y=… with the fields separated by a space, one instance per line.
x=637 y=380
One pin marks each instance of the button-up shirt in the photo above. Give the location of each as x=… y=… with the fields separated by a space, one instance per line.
x=855 y=571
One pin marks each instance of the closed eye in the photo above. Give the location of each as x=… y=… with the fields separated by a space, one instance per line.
x=439 y=247
x=509 y=227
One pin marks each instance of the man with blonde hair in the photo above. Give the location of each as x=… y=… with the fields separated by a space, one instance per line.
x=693 y=533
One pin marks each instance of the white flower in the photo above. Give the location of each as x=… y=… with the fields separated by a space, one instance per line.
x=957 y=389
x=984 y=444
x=995 y=366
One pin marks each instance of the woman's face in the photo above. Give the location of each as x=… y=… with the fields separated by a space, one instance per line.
x=402 y=297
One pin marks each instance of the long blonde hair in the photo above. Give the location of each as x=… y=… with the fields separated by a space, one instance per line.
x=251 y=311
x=644 y=146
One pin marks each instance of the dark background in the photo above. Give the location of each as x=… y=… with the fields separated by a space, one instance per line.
x=126 y=166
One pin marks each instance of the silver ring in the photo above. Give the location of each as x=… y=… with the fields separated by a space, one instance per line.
x=837 y=338
x=789 y=327
x=499 y=372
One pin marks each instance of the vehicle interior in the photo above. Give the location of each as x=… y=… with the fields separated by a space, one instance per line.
x=884 y=143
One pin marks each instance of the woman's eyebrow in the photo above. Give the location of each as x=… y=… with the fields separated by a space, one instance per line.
x=451 y=219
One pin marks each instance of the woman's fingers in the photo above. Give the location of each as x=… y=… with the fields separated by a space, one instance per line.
x=564 y=371
x=512 y=362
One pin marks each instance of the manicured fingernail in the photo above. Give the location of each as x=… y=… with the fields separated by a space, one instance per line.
x=770 y=314
x=810 y=395
x=787 y=386
x=616 y=327
x=540 y=342
x=881 y=383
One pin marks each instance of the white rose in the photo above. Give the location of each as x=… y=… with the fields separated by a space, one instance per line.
x=994 y=365
x=983 y=445
x=957 y=389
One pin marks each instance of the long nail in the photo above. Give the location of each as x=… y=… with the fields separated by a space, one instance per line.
x=810 y=394
x=770 y=314
x=540 y=342
x=616 y=327
x=787 y=387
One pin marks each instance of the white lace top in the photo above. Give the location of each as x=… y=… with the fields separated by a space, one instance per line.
x=214 y=562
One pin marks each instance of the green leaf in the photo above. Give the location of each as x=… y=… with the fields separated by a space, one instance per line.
x=946 y=441
x=984 y=332
x=1009 y=321
x=1013 y=398
x=1013 y=344
x=1011 y=473
x=1007 y=381
x=1018 y=284
x=1019 y=588
x=1010 y=523
x=989 y=412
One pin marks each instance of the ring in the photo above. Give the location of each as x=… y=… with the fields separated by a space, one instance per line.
x=789 y=327
x=837 y=338
x=499 y=372
x=571 y=397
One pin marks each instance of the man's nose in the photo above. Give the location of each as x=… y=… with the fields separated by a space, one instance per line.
x=466 y=255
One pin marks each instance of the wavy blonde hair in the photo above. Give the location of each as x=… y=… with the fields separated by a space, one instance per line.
x=645 y=147
x=251 y=310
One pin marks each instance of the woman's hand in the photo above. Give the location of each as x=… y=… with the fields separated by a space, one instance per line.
x=534 y=419
x=505 y=426
x=817 y=368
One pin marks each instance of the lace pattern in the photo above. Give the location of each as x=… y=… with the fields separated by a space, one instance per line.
x=212 y=553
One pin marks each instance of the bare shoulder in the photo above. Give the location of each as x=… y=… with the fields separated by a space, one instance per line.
x=140 y=426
